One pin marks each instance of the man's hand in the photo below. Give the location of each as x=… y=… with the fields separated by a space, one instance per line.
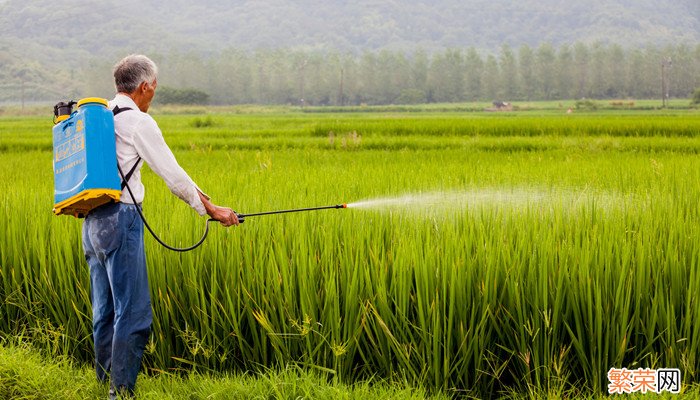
x=224 y=215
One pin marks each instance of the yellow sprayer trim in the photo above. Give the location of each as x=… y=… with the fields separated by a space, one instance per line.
x=80 y=204
x=61 y=118
x=88 y=100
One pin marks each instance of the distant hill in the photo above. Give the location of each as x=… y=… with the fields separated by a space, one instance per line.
x=95 y=27
x=41 y=40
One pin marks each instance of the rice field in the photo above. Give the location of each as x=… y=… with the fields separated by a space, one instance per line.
x=481 y=255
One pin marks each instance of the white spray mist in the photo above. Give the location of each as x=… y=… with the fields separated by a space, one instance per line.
x=489 y=198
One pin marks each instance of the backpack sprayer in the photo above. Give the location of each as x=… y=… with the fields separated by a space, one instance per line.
x=84 y=160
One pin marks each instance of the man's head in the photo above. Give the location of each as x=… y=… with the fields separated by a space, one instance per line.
x=136 y=76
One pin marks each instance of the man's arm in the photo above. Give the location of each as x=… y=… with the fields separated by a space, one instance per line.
x=224 y=215
x=151 y=146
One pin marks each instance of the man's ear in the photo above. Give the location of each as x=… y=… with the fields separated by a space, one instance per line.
x=142 y=87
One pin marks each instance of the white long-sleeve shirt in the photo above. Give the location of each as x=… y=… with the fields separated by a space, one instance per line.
x=138 y=135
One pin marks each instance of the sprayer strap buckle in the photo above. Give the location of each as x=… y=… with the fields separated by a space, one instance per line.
x=117 y=110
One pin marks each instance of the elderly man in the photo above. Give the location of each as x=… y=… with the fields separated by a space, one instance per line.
x=113 y=233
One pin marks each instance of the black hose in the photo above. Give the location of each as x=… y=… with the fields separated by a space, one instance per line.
x=181 y=249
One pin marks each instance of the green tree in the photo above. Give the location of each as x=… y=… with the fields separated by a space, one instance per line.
x=446 y=76
x=635 y=74
x=650 y=84
x=262 y=76
x=474 y=66
x=282 y=76
x=599 y=71
x=411 y=96
x=286 y=70
x=581 y=65
x=347 y=78
x=326 y=87
x=545 y=71
x=169 y=95
x=508 y=74
x=681 y=77
x=526 y=61
x=419 y=71
x=394 y=75
x=368 y=79
x=617 y=72
x=232 y=78
x=491 y=78
x=565 y=76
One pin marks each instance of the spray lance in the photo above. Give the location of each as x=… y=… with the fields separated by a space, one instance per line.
x=241 y=217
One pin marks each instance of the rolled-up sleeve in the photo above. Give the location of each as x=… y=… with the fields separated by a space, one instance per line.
x=151 y=146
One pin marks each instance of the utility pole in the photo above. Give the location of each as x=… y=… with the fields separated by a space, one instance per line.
x=665 y=64
x=301 y=83
x=340 y=91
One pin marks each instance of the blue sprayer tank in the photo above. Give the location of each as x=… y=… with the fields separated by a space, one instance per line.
x=85 y=159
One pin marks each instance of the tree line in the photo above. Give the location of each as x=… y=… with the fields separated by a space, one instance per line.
x=284 y=76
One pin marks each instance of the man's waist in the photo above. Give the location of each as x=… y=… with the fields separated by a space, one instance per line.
x=110 y=208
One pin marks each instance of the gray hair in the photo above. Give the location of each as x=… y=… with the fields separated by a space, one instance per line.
x=132 y=70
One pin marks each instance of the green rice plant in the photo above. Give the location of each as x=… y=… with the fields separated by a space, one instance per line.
x=526 y=263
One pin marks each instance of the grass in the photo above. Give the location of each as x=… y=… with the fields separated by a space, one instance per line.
x=566 y=251
x=27 y=374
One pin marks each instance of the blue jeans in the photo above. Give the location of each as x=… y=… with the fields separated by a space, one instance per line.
x=121 y=304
